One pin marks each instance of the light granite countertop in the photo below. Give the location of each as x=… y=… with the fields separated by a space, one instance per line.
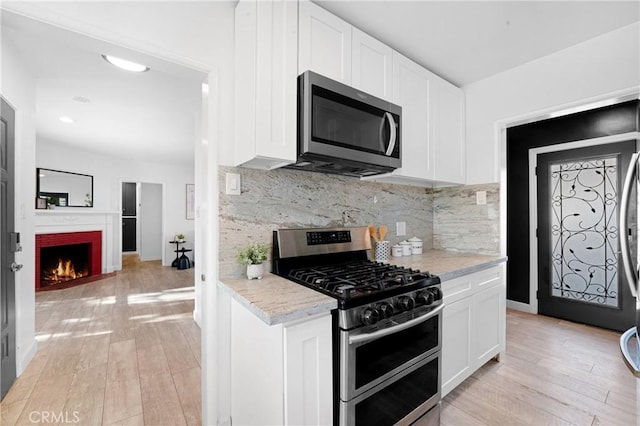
x=276 y=300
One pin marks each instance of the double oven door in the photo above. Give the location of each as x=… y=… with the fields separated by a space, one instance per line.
x=390 y=372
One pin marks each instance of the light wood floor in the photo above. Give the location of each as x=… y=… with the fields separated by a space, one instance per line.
x=119 y=351
x=125 y=351
x=553 y=372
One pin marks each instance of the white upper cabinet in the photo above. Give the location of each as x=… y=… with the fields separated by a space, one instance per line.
x=277 y=40
x=447 y=125
x=266 y=43
x=371 y=69
x=433 y=143
x=411 y=90
x=324 y=43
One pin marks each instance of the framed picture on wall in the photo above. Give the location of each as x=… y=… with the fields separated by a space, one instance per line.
x=41 y=203
x=191 y=197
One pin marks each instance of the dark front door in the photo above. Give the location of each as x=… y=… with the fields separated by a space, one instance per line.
x=580 y=275
x=7 y=275
x=129 y=218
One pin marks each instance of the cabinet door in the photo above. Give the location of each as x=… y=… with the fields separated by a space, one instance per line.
x=489 y=324
x=447 y=125
x=129 y=225
x=308 y=373
x=324 y=43
x=411 y=90
x=457 y=360
x=266 y=65
x=129 y=199
x=371 y=65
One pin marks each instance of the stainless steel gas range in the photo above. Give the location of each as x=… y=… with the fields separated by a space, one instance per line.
x=387 y=328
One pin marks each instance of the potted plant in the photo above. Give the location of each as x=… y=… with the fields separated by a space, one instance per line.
x=179 y=238
x=253 y=256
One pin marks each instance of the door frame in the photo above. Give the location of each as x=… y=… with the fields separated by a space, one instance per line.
x=215 y=400
x=533 y=199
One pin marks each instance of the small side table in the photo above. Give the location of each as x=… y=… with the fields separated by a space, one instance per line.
x=183 y=261
x=177 y=250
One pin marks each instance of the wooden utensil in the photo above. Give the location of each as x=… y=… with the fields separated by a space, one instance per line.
x=373 y=233
x=383 y=231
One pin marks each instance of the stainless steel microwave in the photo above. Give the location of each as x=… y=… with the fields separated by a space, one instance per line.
x=345 y=131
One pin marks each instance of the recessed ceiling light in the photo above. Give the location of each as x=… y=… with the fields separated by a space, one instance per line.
x=66 y=119
x=124 y=64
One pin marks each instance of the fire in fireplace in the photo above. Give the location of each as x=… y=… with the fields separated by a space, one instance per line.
x=63 y=263
x=67 y=258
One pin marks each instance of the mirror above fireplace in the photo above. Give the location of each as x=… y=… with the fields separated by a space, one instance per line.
x=64 y=189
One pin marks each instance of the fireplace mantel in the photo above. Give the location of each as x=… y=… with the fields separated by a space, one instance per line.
x=78 y=220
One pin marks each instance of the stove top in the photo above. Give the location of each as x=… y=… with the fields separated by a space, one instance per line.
x=362 y=280
x=335 y=262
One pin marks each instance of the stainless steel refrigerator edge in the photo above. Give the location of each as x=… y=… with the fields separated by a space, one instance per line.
x=630 y=340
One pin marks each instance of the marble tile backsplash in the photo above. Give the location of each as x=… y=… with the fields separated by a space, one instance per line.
x=460 y=224
x=288 y=198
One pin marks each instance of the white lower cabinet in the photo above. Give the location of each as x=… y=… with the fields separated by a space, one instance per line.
x=473 y=324
x=280 y=374
x=456 y=344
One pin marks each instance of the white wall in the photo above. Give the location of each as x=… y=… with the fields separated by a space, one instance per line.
x=18 y=88
x=108 y=175
x=589 y=71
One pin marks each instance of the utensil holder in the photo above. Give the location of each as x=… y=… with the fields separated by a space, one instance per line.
x=383 y=249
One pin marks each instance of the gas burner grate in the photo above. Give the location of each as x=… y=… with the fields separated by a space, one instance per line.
x=356 y=278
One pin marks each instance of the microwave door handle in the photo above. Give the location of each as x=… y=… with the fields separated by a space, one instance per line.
x=363 y=338
x=627 y=261
x=392 y=137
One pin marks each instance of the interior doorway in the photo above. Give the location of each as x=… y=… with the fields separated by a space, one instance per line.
x=142 y=220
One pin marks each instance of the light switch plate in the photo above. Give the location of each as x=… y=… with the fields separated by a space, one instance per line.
x=232 y=183
x=401 y=228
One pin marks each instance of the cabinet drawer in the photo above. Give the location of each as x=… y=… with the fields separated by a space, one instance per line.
x=457 y=288
x=489 y=278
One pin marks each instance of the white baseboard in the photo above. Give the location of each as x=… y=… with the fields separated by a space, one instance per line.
x=519 y=306
x=27 y=356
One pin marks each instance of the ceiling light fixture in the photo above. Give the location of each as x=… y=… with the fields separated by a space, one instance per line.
x=67 y=120
x=124 y=64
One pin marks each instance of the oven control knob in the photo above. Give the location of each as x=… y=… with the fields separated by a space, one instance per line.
x=385 y=309
x=437 y=293
x=406 y=303
x=425 y=297
x=369 y=316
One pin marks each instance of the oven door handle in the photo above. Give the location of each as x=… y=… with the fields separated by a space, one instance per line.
x=363 y=338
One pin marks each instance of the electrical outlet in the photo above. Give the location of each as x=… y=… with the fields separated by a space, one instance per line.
x=481 y=198
x=401 y=228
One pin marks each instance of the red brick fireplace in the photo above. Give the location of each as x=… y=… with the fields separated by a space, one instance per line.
x=86 y=245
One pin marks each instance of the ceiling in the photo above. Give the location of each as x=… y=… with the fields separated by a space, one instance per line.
x=152 y=116
x=148 y=116
x=467 y=41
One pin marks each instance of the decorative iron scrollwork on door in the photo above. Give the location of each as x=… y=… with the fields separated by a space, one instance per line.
x=584 y=231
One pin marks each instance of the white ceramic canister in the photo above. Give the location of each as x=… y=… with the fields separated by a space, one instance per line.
x=416 y=245
x=406 y=248
x=396 y=251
